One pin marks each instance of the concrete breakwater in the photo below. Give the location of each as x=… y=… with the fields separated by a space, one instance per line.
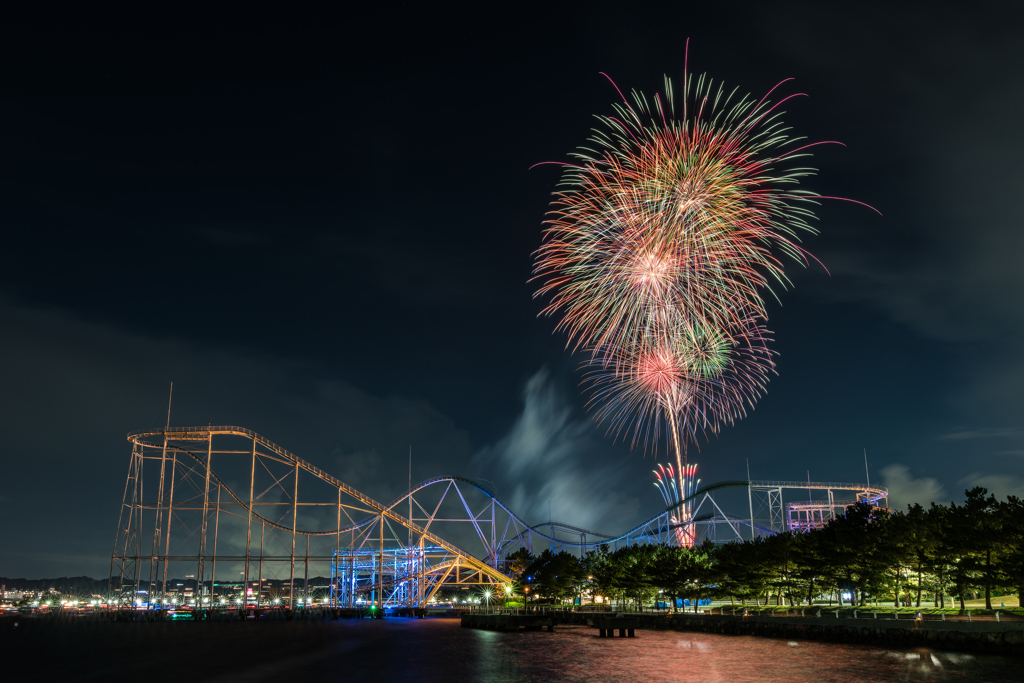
x=975 y=636
x=509 y=622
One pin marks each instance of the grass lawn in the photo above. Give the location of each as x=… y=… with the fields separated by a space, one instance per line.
x=1007 y=600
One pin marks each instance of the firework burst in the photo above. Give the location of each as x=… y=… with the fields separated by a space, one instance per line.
x=681 y=379
x=667 y=213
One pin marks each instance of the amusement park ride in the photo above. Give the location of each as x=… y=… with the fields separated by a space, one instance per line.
x=224 y=503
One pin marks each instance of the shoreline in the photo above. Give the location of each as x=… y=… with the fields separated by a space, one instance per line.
x=979 y=636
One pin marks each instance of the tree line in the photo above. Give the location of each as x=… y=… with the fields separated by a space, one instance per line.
x=871 y=554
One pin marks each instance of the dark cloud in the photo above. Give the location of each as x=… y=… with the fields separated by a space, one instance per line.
x=73 y=390
x=554 y=462
x=905 y=489
x=999 y=485
x=990 y=433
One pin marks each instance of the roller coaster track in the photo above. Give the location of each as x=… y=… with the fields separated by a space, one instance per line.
x=199 y=433
x=180 y=452
x=623 y=537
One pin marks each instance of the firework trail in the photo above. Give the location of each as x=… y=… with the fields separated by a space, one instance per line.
x=665 y=481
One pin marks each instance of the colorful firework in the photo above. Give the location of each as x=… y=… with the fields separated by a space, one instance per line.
x=672 y=214
x=667 y=485
x=681 y=381
x=661 y=244
x=680 y=511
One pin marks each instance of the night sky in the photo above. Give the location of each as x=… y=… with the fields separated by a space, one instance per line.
x=321 y=226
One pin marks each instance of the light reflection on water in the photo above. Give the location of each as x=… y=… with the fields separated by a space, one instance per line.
x=577 y=654
x=424 y=650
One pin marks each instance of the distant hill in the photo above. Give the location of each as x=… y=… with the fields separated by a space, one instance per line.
x=86 y=585
x=77 y=585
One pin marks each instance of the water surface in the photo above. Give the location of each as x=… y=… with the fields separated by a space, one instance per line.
x=440 y=650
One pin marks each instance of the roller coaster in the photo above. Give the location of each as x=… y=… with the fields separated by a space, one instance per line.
x=265 y=514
